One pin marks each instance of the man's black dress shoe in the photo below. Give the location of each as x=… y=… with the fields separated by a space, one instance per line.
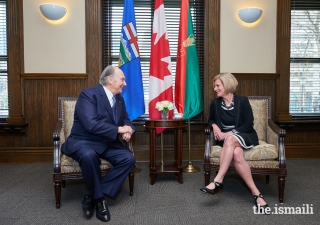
x=102 y=211
x=87 y=206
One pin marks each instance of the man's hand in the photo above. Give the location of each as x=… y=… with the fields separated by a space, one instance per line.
x=125 y=129
x=126 y=136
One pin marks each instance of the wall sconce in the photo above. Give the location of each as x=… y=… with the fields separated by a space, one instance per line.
x=52 y=11
x=249 y=15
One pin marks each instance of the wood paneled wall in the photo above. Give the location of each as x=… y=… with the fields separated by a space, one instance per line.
x=259 y=85
x=33 y=97
x=39 y=93
x=302 y=140
x=40 y=97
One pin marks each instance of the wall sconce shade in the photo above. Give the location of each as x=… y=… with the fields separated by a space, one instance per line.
x=249 y=15
x=52 y=11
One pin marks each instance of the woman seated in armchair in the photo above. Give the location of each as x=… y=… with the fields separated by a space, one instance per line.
x=231 y=118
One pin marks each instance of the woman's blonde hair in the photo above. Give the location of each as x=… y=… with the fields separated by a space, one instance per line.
x=229 y=82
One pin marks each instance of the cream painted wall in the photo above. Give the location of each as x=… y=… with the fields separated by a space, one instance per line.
x=50 y=47
x=248 y=49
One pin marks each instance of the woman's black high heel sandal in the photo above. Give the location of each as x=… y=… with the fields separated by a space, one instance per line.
x=256 y=203
x=217 y=189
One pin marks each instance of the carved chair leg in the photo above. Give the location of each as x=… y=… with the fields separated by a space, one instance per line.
x=63 y=183
x=267 y=179
x=57 y=192
x=131 y=182
x=281 y=184
x=207 y=177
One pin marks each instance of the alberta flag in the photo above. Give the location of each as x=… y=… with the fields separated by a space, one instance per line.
x=129 y=63
x=188 y=96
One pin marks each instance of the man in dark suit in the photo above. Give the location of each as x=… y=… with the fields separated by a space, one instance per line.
x=100 y=115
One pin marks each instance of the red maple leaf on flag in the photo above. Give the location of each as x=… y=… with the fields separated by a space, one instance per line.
x=161 y=58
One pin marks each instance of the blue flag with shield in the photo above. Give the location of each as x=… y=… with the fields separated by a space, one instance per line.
x=129 y=63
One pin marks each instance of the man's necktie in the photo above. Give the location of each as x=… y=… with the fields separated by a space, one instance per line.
x=114 y=107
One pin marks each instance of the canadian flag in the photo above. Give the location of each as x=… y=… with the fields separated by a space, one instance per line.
x=160 y=79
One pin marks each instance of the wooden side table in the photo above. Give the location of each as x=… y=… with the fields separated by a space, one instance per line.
x=178 y=125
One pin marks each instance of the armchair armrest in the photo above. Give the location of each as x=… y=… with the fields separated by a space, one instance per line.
x=56 y=148
x=275 y=128
x=207 y=149
x=280 y=133
x=56 y=132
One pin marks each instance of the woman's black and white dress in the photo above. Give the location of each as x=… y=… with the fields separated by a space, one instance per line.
x=238 y=115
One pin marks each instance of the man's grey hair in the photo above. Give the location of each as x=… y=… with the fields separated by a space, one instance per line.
x=108 y=71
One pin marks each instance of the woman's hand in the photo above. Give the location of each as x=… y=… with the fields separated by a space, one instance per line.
x=218 y=135
x=222 y=135
x=216 y=132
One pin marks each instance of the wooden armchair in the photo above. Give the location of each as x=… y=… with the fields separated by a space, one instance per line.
x=64 y=167
x=267 y=158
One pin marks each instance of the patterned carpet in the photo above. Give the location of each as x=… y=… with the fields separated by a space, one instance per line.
x=27 y=197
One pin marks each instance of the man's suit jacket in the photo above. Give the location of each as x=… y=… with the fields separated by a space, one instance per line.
x=94 y=124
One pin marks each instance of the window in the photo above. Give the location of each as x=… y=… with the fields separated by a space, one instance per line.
x=3 y=61
x=305 y=58
x=144 y=9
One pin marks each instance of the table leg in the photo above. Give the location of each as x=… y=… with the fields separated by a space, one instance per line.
x=176 y=149
x=179 y=154
x=152 y=156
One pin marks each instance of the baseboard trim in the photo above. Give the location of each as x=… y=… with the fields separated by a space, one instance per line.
x=302 y=150
x=26 y=155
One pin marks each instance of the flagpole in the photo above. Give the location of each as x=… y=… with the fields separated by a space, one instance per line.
x=190 y=168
